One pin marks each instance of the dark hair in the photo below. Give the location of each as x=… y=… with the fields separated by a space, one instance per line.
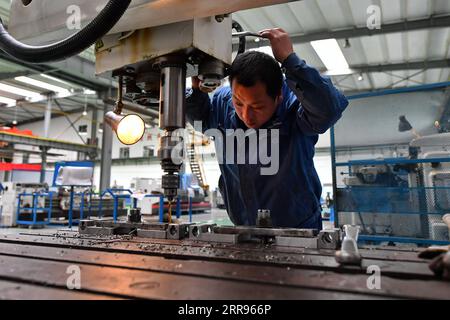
x=253 y=66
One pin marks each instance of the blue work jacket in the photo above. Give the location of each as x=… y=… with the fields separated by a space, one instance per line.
x=310 y=106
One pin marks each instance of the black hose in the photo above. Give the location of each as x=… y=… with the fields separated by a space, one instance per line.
x=70 y=46
x=236 y=26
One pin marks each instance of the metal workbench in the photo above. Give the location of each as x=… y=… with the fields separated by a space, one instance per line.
x=34 y=266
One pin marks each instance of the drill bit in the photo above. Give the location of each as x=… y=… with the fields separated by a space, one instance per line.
x=170 y=211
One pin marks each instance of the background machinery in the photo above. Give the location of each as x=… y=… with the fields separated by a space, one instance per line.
x=399 y=199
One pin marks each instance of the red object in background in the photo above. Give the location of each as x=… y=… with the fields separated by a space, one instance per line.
x=17 y=131
x=19 y=166
x=14 y=130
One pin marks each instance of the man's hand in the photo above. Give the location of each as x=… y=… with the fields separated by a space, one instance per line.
x=281 y=43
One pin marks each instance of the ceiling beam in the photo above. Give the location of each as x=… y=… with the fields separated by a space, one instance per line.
x=54 y=116
x=82 y=71
x=58 y=114
x=46 y=143
x=358 y=94
x=418 y=65
x=11 y=75
x=354 y=32
x=133 y=107
x=21 y=151
x=9 y=112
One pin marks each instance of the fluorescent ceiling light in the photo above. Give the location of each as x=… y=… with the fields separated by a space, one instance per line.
x=8 y=102
x=19 y=91
x=89 y=92
x=339 y=72
x=72 y=90
x=44 y=85
x=55 y=79
x=331 y=54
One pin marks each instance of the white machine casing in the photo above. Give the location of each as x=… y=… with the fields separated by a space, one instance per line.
x=149 y=29
x=8 y=204
x=44 y=21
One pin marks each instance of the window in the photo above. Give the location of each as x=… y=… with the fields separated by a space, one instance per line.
x=82 y=130
x=124 y=153
x=149 y=151
x=26 y=158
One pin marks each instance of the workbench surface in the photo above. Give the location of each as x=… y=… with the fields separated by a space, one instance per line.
x=37 y=266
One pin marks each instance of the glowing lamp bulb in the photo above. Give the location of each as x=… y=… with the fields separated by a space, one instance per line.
x=129 y=129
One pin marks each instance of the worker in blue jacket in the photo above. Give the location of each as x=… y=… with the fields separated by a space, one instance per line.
x=301 y=105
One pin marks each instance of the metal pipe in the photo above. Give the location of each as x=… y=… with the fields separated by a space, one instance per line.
x=105 y=166
x=425 y=87
x=48 y=116
x=133 y=107
x=94 y=140
x=173 y=101
x=43 y=164
x=172 y=117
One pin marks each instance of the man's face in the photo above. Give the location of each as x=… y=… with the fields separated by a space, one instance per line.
x=253 y=105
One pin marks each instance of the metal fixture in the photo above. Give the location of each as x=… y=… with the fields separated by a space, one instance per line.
x=128 y=128
x=206 y=232
x=263 y=220
x=349 y=254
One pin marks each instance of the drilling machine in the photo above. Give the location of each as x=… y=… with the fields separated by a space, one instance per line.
x=150 y=46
